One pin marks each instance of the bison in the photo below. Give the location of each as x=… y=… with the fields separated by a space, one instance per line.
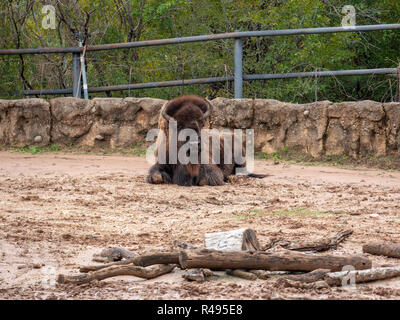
x=191 y=113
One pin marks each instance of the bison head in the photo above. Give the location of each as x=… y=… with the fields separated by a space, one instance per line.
x=190 y=113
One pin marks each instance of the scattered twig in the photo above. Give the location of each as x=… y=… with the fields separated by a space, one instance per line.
x=261 y=274
x=241 y=274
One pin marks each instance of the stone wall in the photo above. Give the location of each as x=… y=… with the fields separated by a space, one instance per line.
x=320 y=128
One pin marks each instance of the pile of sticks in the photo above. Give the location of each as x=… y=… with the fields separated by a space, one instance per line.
x=239 y=253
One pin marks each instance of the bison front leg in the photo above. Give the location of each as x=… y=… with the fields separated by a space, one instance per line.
x=159 y=174
x=183 y=177
x=210 y=175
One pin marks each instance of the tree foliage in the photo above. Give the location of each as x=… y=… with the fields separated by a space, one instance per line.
x=112 y=21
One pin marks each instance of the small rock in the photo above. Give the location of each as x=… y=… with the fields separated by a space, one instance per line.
x=99 y=137
x=66 y=236
x=194 y=275
x=207 y=272
x=38 y=139
x=374 y=215
x=306 y=112
x=321 y=285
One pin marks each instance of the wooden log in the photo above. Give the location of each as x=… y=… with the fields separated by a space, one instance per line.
x=286 y=261
x=156 y=258
x=233 y=240
x=361 y=276
x=383 y=249
x=343 y=277
x=142 y=261
x=242 y=274
x=113 y=271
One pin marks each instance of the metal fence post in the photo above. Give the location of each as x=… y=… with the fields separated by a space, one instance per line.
x=238 y=68
x=76 y=74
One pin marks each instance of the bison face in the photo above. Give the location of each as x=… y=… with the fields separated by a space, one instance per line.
x=190 y=114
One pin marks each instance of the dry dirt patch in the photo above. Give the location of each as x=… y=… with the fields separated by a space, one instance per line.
x=56 y=210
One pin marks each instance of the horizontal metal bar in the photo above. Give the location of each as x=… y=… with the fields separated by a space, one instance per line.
x=219 y=36
x=44 y=92
x=270 y=76
x=146 y=85
x=175 y=83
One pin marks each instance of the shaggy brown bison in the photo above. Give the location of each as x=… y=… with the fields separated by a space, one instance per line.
x=193 y=162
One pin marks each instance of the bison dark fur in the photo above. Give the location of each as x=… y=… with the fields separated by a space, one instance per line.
x=190 y=112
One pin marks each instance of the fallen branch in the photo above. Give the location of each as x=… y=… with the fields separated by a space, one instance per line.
x=383 y=249
x=316 y=246
x=286 y=261
x=113 y=271
x=142 y=261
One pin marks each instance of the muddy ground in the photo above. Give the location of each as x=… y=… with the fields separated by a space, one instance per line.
x=57 y=210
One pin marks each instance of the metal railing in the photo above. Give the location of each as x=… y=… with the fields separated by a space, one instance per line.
x=238 y=76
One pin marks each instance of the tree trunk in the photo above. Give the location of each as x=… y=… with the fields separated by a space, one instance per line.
x=286 y=261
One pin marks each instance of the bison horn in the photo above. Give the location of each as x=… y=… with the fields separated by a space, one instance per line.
x=164 y=114
x=209 y=109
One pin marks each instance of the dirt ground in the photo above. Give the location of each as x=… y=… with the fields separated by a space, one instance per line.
x=57 y=210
